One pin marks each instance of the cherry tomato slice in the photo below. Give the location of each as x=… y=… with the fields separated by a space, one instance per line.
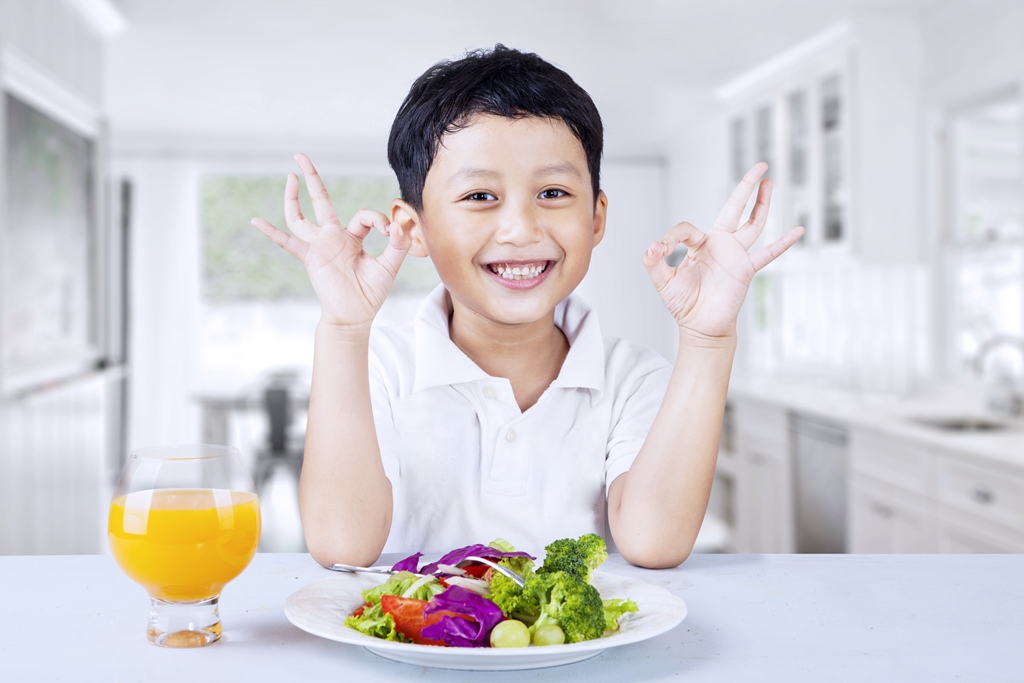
x=477 y=571
x=408 y=616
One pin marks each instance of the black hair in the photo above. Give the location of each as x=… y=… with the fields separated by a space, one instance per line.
x=503 y=82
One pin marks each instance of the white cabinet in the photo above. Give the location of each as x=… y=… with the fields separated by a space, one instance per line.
x=983 y=491
x=956 y=533
x=906 y=497
x=884 y=519
x=838 y=120
x=764 y=497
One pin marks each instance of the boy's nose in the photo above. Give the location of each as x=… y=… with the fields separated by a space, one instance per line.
x=519 y=225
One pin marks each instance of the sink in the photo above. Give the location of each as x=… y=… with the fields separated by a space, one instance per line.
x=961 y=423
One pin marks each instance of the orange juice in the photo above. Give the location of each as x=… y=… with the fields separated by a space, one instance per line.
x=183 y=545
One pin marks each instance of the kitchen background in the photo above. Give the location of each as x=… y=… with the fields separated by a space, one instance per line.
x=876 y=402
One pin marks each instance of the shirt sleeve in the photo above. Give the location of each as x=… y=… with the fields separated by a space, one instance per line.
x=634 y=413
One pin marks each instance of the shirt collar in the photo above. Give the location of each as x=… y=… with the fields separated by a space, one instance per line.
x=439 y=362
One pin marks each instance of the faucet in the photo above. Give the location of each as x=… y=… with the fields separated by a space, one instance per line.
x=1005 y=396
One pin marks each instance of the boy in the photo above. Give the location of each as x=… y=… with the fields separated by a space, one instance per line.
x=501 y=412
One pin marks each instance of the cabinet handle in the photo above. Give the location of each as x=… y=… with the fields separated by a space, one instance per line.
x=883 y=511
x=983 y=495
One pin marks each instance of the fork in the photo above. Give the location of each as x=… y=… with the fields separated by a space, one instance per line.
x=505 y=571
x=354 y=569
x=501 y=569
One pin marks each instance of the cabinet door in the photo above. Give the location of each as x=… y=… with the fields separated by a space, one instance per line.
x=958 y=533
x=764 y=525
x=883 y=520
x=763 y=488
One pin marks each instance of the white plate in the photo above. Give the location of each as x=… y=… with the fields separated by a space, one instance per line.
x=321 y=608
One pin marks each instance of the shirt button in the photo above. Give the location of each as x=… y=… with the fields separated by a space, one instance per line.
x=489 y=392
x=510 y=435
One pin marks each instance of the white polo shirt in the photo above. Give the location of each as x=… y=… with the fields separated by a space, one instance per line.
x=467 y=466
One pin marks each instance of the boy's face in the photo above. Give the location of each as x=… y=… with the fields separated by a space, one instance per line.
x=509 y=217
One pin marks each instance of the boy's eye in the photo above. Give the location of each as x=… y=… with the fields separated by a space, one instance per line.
x=553 y=193
x=480 y=197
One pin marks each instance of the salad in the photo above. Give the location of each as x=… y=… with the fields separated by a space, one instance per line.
x=458 y=603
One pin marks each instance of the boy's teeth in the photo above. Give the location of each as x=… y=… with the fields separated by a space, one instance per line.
x=518 y=272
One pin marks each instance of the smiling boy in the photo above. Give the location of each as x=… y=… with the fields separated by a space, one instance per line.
x=502 y=412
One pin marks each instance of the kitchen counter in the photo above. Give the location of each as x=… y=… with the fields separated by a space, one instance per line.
x=751 y=617
x=893 y=415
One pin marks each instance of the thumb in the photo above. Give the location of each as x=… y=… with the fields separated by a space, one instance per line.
x=398 y=246
x=654 y=261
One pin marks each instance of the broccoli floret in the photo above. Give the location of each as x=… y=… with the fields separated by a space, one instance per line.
x=580 y=556
x=564 y=599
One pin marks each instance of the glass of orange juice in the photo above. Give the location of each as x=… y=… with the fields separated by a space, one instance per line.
x=184 y=521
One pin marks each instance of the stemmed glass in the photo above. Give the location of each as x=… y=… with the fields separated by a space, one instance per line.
x=184 y=521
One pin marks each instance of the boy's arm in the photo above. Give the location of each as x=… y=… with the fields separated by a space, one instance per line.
x=344 y=496
x=656 y=508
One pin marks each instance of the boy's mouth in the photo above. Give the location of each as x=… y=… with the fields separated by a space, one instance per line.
x=518 y=271
x=519 y=274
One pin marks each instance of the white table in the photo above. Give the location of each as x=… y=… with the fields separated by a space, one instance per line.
x=751 y=617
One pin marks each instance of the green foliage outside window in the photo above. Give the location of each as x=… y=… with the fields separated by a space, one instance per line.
x=240 y=264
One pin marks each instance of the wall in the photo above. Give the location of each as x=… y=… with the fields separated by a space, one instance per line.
x=163 y=300
x=887 y=148
x=617 y=285
x=971 y=50
x=697 y=184
x=56 y=38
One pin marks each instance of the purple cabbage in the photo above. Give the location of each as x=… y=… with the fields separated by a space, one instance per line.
x=460 y=554
x=456 y=631
x=409 y=564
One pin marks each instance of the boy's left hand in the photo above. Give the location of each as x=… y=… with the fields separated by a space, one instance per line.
x=704 y=292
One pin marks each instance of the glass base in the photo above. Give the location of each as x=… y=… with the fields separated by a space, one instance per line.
x=184 y=624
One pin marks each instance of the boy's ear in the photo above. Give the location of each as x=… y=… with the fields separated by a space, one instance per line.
x=407 y=217
x=600 y=214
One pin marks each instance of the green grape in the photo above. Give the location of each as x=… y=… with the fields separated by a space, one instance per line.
x=549 y=634
x=510 y=633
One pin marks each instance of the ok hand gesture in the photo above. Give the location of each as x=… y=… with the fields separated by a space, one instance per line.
x=350 y=284
x=704 y=293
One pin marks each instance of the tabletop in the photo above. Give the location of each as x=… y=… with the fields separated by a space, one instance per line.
x=751 y=617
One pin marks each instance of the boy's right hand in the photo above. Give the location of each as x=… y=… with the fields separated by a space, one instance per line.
x=350 y=284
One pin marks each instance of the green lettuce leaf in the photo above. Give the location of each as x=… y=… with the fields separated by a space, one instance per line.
x=373 y=622
x=614 y=609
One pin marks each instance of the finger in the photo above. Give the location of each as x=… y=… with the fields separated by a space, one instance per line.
x=293 y=217
x=751 y=230
x=366 y=220
x=733 y=209
x=762 y=257
x=290 y=243
x=654 y=258
x=322 y=206
x=398 y=246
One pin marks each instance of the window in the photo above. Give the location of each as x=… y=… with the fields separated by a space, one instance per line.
x=49 y=308
x=259 y=311
x=764 y=138
x=985 y=238
x=799 y=160
x=832 y=159
x=737 y=134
